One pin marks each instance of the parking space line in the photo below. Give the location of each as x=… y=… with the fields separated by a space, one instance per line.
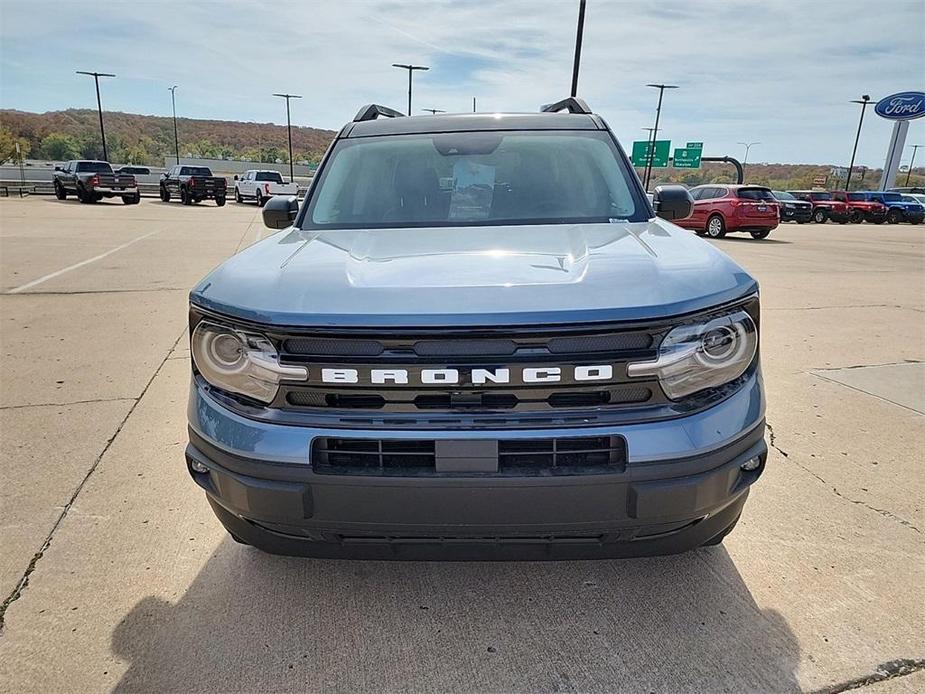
x=60 y=272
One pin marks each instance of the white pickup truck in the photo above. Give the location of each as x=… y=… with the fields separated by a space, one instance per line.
x=261 y=185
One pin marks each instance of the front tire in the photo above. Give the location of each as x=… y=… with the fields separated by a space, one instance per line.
x=165 y=194
x=857 y=217
x=820 y=216
x=716 y=227
x=760 y=234
x=894 y=217
x=237 y=196
x=60 y=193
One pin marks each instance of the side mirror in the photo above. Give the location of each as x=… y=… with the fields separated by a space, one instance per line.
x=280 y=211
x=672 y=202
x=164 y=175
x=58 y=168
x=236 y=177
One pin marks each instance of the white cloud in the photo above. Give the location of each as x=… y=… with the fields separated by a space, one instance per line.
x=778 y=72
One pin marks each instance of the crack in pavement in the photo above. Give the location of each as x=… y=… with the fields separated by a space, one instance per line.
x=33 y=563
x=867 y=366
x=885 y=671
x=772 y=442
x=63 y=404
x=81 y=292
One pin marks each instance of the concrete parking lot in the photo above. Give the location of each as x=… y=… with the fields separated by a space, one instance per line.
x=116 y=576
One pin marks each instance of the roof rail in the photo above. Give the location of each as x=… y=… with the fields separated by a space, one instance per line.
x=373 y=111
x=572 y=104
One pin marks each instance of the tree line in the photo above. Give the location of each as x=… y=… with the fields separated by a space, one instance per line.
x=138 y=139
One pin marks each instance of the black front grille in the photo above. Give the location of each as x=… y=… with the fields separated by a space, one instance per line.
x=467 y=351
x=416 y=457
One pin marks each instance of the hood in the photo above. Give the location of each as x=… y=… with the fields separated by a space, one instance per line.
x=473 y=276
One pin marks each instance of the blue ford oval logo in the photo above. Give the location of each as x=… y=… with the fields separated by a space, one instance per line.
x=902 y=106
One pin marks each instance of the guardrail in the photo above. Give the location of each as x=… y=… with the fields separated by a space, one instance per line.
x=147 y=190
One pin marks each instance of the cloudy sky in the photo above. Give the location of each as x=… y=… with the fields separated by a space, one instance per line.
x=781 y=72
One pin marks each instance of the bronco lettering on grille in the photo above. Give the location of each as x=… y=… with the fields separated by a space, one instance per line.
x=474 y=376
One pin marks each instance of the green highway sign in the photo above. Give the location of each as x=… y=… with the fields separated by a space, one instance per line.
x=695 y=145
x=641 y=153
x=687 y=158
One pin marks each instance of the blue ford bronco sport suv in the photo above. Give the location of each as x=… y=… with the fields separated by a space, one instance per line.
x=476 y=338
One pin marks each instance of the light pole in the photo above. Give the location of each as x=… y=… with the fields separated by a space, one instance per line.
x=658 y=111
x=912 y=162
x=473 y=104
x=99 y=105
x=433 y=111
x=578 y=36
x=176 y=136
x=748 y=146
x=287 y=97
x=410 y=69
x=863 y=101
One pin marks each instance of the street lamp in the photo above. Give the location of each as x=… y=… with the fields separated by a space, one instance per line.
x=748 y=146
x=863 y=101
x=578 y=36
x=99 y=105
x=658 y=111
x=433 y=111
x=912 y=162
x=287 y=97
x=176 y=137
x=410 y=69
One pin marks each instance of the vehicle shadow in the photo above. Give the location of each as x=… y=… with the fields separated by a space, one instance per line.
x=749 y=239
x=254 y=622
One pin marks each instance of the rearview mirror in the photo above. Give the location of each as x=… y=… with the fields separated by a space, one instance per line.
x=280 y=211
x=672 y=202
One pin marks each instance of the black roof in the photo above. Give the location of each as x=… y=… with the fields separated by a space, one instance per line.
x=457 y=122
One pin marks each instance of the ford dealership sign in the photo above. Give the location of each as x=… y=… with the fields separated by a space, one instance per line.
x=902 y=106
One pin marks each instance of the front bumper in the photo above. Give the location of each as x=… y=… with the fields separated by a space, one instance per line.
x=683 y=485
x=800 y=214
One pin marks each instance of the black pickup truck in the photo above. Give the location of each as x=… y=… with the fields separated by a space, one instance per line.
x=193 y=184
x=91 y=181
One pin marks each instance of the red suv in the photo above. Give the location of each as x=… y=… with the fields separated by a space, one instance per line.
x=860 y=208
x=722 y=208
x=825 y=206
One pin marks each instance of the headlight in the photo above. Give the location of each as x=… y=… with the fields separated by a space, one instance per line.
x=702 y=355
x=789 y=205
x=240 y=362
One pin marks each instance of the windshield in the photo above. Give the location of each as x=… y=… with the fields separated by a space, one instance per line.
x=754 y=194
x=821 y=196
x=781 y=195
x=93 y=167
x=474 y=178
x=272 y=176
x=195 y=171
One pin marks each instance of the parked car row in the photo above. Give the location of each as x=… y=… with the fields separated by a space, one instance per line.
x=91 y=181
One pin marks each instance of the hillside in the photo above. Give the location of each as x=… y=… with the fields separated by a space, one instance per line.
x=141 y=139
